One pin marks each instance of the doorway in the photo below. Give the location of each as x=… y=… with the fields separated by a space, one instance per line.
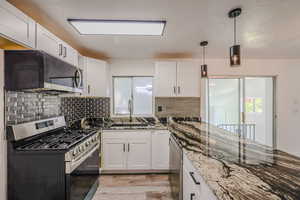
x=243 y=106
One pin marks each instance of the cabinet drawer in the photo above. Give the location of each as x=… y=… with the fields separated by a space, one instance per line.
x=113 y=134
x=198 y=182
x=139 y=134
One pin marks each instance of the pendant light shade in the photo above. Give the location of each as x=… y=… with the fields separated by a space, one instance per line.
x=203 y=66
x=235 y=55
x=235 y=50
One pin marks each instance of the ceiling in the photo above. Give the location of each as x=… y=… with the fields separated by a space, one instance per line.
x=266 y=28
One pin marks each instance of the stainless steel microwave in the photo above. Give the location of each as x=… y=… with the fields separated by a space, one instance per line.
x=32 y=70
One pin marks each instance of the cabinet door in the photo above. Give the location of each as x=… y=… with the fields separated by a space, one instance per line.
x=188 y=79
x=48 y=42
x=15 y=25
x=96 y=72
x=139 y=153
x=114 y=154
x=160 y=149
x=165 y=79
x=70 y=55
x=190 y=190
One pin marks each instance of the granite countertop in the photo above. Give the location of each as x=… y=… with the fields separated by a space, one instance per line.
x=153 y=125
x=238 y=169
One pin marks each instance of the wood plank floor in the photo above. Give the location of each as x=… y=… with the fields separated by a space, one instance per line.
x=133 y=187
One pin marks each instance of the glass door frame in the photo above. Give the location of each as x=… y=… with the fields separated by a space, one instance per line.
x=242 y=95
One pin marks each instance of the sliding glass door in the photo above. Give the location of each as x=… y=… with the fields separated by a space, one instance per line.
x=224 y=106
x=243 y=106
x=258 y=109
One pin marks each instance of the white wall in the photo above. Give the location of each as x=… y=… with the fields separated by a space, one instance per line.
x=123 y=67
x=129 y=67
x=287 y=94
x=3 y=167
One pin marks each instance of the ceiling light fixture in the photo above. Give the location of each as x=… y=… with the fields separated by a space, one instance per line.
x=235 y=50
x=203 y=44
x=118 y=27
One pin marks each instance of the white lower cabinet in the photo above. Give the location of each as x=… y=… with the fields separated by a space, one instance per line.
x=194 y=187
x=160 y=150
x=135 y=150
x=139 y=152
x=191 y=191
x=114 y=153
x=126 y=150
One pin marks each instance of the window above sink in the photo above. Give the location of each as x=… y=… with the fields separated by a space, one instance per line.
x=135 y=93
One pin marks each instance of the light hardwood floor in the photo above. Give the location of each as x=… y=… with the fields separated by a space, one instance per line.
x=133 y=187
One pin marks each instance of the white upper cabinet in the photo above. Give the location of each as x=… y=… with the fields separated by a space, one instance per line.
x=188 y=79
x=69 y=54
x=15 y=25
x=180 y=79
x=165 y=79
x=49 y=43
x=96 y=78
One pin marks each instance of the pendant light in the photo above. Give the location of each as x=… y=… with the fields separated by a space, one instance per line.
x=203 y=44
x=235 y=50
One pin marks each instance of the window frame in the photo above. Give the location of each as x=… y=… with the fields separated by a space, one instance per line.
x=114 y=114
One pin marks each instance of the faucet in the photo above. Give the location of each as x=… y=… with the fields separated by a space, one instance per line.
x=130 y=109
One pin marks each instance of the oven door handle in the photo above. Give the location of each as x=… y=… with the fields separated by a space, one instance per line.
x=72 y=165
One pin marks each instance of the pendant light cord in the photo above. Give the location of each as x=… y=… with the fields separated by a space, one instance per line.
x=234 y=30
x=204 y=55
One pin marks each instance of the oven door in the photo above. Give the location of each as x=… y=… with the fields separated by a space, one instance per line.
x=83 y=181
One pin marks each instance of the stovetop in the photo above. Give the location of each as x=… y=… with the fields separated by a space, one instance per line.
x=60 y=140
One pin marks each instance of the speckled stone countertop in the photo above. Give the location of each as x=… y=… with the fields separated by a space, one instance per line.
x=151 y=123
x=238 y=169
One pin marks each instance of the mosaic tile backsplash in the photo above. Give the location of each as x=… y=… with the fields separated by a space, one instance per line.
x=75 y=108
x=24 y=107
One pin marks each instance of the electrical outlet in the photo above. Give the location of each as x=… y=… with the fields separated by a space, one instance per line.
x=159 y=109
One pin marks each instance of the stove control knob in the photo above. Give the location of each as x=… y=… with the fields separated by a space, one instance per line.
x=74 y=152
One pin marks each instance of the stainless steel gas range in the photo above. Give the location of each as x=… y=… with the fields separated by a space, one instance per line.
x=48 y=161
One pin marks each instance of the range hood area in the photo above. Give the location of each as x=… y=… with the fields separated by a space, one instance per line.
x=37 y=71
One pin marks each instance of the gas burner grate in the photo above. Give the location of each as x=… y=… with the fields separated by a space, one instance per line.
x=59 y=141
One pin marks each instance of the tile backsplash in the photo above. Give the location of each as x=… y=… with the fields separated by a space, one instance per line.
x=177 y=106
x=75 y=108
x=24 y=107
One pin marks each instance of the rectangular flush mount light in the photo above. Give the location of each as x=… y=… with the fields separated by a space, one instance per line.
x=118 y=27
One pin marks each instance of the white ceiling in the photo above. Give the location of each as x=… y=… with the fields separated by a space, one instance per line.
x=266 y=28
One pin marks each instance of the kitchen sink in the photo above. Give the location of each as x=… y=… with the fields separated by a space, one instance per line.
x=128 y=124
